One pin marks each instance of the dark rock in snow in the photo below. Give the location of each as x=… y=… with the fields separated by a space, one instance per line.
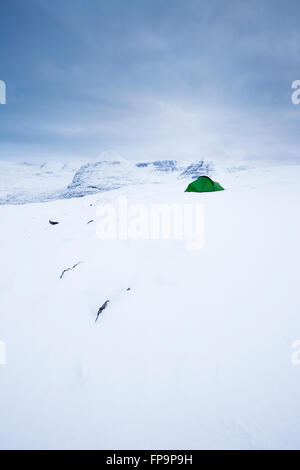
x=52 y=222
x=69 y=269
x=101 y=309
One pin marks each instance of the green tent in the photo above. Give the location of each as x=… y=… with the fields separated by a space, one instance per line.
x=203 y=185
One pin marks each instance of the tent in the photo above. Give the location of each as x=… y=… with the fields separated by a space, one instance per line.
x=203 y=185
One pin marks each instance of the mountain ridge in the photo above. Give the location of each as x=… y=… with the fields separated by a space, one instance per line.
x=27 y=182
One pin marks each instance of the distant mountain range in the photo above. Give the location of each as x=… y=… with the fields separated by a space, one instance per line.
x=29 y=182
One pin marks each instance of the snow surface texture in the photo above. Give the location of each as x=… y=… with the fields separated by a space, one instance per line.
x=197 y=354
x=26 y=182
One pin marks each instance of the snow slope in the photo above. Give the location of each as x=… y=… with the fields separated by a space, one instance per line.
x=23 y=182
x=196 y=355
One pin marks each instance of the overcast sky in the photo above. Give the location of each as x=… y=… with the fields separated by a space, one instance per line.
x=150 y=78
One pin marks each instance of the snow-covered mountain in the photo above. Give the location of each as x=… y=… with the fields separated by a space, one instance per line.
x=28 y=182
x=160 y=165
x=100 y=176
x=196 y=169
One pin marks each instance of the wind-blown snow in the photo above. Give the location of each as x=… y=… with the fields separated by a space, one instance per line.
x=197 y=354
